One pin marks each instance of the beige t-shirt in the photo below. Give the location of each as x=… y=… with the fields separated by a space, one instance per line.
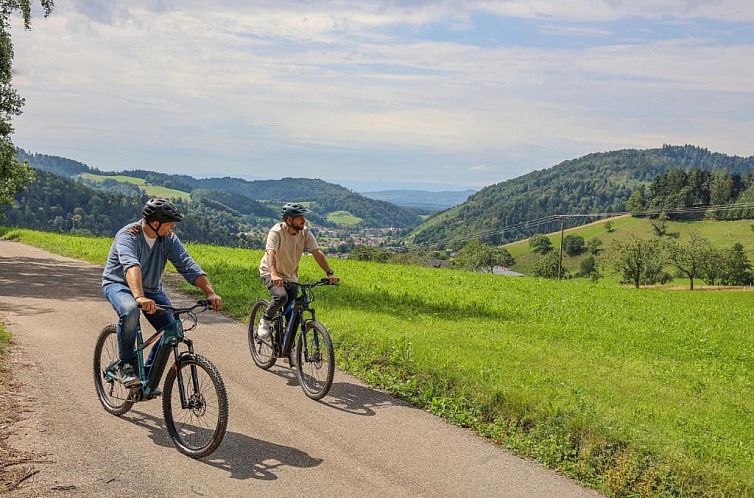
x=288 y=251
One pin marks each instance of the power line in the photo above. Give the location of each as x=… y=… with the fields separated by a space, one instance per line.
x=557 y=217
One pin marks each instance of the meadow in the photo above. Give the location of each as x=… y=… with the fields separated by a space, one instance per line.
x=721 y=234
x=153 y=190
x=632 y=392
x=343 y=218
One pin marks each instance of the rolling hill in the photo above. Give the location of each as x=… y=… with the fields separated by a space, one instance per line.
x=721 y=234
x=333 y=205
x=600 y=182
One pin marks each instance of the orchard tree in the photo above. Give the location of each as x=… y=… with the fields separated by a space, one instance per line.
x=540 y=244
x=690 y=255
x=477 y=256
x=639 y=260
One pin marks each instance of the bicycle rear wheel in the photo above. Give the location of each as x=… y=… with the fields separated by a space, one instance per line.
x=113 y=395
x=315 y=368
x=198 y=429
x=262 y=350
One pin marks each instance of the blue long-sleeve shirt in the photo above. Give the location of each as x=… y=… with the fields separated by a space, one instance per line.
x=130 y=250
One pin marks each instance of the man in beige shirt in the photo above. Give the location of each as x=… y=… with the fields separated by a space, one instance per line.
x=286 y=243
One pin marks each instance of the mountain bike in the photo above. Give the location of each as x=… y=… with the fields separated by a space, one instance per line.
x=194 y=401
x=313 y=357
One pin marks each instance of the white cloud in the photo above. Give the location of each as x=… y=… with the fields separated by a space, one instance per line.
x=250 y=82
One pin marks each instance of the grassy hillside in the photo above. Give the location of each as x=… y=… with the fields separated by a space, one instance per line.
x=722 y=234
x=343 y=218
x=633 y=392
x=594 y=183
x=151 y=190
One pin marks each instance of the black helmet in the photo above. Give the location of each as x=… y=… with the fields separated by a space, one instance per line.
x=292 y=209
x=162 y=210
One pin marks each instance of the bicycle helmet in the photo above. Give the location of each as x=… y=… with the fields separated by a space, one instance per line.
x=293 y=209
x=162 y=210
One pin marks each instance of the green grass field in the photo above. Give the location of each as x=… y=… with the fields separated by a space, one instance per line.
x=722 y=234
x=343 y=218
x=633 y=392
x=153 y=190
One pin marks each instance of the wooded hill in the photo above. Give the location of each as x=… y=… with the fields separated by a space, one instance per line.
x=56 y=203
x=600 y=182
x=262 y=197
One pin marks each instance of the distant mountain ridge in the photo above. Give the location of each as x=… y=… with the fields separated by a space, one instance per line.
x=325 y=198
x=599 y=182
x=421 y=199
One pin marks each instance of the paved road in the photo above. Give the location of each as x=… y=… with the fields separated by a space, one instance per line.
x=356 y=442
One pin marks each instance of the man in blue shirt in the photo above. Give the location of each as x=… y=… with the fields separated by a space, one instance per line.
x=133 y=276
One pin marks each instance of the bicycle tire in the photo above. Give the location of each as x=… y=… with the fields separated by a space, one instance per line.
x=262 y=351
x=116 y=405
x=181 y=434
x=313 y=387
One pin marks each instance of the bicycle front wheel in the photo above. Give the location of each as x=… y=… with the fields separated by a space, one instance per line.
x=113 y=395
x=197 y=423
x=315 y=360
x=262 y=350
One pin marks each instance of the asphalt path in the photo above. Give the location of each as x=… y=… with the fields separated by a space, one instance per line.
x=355 y=442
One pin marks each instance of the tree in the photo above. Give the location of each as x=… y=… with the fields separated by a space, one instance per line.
x=713 y=268
x=609 y=227
x=588 y=268
x=477 y=256
x=547 y=266
x=637 y=201
x=690 y=254
x=661 y=228
x=573 y=245
x=594 y=246
x=639 y=260
x=540 y=244
x=13 y=175
x=736 y=269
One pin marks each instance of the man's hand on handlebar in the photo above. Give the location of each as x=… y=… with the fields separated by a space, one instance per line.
x=146 y=304
x=333 y=280
x=215 y=301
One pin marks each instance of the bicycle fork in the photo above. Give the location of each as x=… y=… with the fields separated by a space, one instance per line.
x=192 y=400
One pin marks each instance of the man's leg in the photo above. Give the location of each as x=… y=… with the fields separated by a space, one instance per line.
x=159 y=320
x=123 y=302
x=279 y=298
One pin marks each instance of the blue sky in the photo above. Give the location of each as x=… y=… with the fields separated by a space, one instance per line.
x=441 y=95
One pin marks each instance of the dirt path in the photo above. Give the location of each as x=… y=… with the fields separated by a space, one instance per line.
x=356 y=442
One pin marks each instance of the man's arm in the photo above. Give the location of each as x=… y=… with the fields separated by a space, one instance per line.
x=133 y=277
x=203 y=283
x=277 y=280
x=319 y=257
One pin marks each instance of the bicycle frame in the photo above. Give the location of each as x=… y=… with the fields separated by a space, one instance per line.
x=296 y=310
x=172 y=336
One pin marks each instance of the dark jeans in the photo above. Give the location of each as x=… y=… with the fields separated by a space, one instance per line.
x=280 y=296
x=123 y=302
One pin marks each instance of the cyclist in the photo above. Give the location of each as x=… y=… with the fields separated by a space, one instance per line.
x=286 y=243
x=133 y=276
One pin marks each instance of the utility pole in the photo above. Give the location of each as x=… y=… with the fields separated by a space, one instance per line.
x=560 y=260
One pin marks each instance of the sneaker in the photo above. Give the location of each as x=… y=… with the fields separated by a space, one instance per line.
x=126 y=376
x=265 y=329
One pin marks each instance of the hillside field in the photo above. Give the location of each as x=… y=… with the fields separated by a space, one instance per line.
x=722 y=234
x=153 y=190
x=633 y=392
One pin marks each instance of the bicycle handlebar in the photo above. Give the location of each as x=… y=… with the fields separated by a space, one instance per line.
x=202 y=303
x=324 y=281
